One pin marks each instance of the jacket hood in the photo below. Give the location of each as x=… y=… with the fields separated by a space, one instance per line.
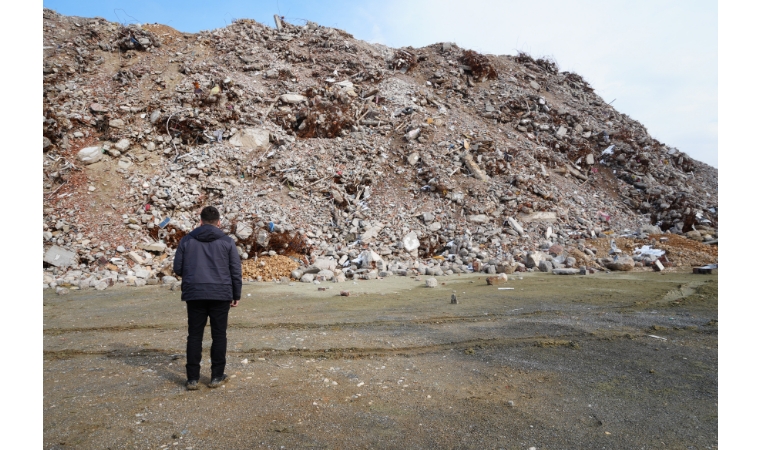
x=207 y=233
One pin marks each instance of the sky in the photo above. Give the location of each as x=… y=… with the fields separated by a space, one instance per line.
x=657 y=61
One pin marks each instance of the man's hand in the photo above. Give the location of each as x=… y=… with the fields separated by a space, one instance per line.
x=234 y=303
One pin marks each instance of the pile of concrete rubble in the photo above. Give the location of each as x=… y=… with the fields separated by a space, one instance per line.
x=355 y=160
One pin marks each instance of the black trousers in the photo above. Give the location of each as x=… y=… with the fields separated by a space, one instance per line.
x=198 y=313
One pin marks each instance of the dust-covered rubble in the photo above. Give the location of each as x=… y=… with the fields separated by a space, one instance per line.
x=350 y=160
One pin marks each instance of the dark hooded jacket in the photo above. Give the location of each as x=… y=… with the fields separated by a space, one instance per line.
x=209 y=264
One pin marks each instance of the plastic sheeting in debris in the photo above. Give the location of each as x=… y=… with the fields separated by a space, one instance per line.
x=647 y=250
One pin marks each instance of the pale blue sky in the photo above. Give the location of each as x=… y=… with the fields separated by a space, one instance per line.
x=657 y=60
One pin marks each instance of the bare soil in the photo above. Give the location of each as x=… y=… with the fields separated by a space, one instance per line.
x=620 y=360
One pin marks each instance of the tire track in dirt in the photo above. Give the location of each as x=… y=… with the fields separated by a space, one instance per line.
x=293 y=326
x=570 y=340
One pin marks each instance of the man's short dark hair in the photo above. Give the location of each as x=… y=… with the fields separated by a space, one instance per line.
x=209 y=214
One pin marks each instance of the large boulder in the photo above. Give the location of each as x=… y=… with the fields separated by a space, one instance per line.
x=545 y=266
x=307 y=278
x=506 y=268
x=621 y=263
x=650 y=229
x=325 y=275
x=694 y=234
x=534 y=258
x=556 y=249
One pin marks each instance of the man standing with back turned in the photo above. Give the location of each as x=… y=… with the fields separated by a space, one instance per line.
x=209 y=264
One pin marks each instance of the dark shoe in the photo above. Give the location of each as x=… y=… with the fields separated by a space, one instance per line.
x=192 y=385
x=218 y=381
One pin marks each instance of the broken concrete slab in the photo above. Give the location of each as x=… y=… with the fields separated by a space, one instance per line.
x=90 y=155
x=60 y=257
x=123 y=145
x=538 y=216
x=325 y=264
x=124 y=163
x=371 y=233
x=136 y=258
x=575 y=172
x=153 y=247
x=293 y=99
x=244 y=231
x=515 y=226
x=710 y=269
x=251 y=139
x=427 y=217
x=474 y=169
x=411 y=242
x=479 y=218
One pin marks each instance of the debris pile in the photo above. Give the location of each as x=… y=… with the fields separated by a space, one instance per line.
x=357 y=160
x=268 y=268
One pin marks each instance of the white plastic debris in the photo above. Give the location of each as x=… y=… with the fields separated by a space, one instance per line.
x=647 y=250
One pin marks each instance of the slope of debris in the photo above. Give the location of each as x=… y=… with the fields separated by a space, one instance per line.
x=354 y=159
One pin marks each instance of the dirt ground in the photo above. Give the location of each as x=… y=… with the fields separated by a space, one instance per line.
x=616 y=361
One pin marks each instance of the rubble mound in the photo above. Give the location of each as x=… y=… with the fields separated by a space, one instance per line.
x=318 y=146
x=268 y=268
